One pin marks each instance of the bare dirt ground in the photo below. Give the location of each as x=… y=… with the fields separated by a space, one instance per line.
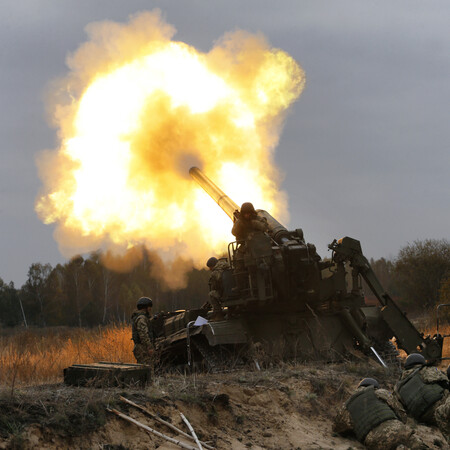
x=284 y=407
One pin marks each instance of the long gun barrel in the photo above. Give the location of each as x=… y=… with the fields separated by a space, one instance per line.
x=214 y=192
x=278 y=232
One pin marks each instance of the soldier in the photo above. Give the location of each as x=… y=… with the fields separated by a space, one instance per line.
x=424 y=392
x=376 y=418
x=216 y=266
x=142 y=333
x=248 y=222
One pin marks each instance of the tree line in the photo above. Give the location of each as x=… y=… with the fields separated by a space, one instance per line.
x=84 y=292
x=419 y=277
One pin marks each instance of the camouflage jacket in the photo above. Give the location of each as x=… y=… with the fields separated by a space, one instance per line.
x=433 y=379
x=215 y=279
x=242 y=229
x=429 y=374
x=141 y=329
x=343 y=422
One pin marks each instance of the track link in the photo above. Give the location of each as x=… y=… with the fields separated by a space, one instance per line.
x=217 y=359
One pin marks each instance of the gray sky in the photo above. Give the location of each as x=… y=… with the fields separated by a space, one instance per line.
x=365 y=150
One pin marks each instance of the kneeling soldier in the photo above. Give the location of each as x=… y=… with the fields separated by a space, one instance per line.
x=375 y=417
x=424 y=392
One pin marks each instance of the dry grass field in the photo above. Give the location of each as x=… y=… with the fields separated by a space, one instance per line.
x=38 y=356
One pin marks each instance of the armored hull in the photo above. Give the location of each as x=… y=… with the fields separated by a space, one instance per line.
x=242 y=337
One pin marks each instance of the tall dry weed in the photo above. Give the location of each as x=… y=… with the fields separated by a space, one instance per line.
x=31 y=357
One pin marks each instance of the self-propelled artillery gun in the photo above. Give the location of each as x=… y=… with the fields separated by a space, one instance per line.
x=277 y=291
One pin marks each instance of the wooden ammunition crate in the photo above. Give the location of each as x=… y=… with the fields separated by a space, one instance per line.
x=105 y=373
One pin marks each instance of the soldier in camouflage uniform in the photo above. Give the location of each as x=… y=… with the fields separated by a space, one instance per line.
x=142 y=334
x=376 y=418
x=424 y=392
x=248 y=222
x=215 y=284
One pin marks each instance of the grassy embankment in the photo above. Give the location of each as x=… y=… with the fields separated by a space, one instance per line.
x=30 y=360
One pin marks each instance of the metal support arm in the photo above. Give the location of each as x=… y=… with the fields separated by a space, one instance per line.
x=407 y=336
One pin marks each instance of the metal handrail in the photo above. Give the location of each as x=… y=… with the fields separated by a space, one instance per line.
x=188 y=343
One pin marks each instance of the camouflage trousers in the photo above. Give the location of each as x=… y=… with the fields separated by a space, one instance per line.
x=442 y=416
x=391 y=434
x=214 y=299
x=141 y=354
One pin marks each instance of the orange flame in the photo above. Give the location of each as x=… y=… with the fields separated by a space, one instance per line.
x=136 y=111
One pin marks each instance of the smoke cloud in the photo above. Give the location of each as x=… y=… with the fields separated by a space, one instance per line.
x=134 y=112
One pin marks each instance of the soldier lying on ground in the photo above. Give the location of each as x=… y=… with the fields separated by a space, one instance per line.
x=424 y=392
x=376 y=418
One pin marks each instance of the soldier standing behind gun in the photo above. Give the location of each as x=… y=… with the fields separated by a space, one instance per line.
x=248 y=222
x=216 y=266
x=142 y=333
x=376 y=418
x=424 y=392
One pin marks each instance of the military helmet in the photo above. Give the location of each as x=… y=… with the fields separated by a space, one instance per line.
x=144 y=302
x=369 y=382
x=413 y=359
x=211 y=262
x=247 y=208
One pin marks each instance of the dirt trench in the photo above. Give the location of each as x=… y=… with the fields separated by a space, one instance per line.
x=288 y=407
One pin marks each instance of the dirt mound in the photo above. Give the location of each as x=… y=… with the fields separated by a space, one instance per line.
x=289 y=407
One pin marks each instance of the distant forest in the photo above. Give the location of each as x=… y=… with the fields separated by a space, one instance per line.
x=84 y=293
